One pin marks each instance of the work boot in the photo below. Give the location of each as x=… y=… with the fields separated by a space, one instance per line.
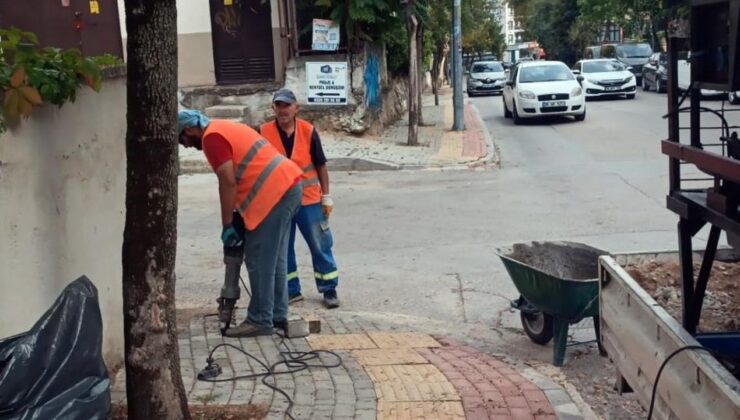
x=331 y=300
x=225 y=310
x=295 y=298
x=281 y=325
x=248 y=329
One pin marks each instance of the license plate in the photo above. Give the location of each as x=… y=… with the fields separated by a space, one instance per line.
x=551 y=104
x=612 y=88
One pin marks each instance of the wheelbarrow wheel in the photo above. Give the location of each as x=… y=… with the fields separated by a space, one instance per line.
x=538 y=326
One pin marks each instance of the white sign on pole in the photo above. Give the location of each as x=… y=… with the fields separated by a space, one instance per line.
x=326 y=83
x=325 y=35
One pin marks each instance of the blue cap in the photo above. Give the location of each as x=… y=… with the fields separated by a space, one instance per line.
x=284 y=95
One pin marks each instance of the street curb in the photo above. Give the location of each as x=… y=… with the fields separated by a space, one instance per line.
x=361 y=164
x=560 y=399
x=492 y=152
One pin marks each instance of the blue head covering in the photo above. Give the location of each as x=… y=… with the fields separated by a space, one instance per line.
x=190 y=118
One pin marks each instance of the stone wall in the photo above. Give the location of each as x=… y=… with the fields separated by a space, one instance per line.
x=374 y=100
x=62 y=191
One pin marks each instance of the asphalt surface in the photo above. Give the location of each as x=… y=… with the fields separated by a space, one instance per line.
x=419 y=247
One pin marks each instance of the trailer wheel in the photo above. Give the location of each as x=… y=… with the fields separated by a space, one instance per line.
x=538 y=327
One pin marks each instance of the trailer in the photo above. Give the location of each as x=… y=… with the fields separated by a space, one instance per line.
x=638 y=335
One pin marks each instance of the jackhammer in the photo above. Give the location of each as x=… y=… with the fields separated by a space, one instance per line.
x=230 y=292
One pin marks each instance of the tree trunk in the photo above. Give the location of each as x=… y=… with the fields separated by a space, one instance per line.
x=420 y=66
x=437 y=58
x=412 y=25
x=153 y=383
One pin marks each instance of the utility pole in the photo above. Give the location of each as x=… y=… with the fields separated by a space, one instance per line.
x=457 y=71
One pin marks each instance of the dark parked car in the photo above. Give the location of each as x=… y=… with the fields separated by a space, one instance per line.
x=655 y=73
x=632 y=54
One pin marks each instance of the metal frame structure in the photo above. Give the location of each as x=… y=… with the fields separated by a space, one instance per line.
x=715 y=151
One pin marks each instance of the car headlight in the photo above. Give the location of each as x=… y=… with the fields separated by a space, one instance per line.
x=475 y=81
x=576 y=91
x=593 y=82
x=525 y=94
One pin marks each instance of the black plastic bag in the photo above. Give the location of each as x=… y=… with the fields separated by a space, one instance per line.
x=56 y=370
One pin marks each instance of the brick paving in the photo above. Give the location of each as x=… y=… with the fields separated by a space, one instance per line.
x=384 y=374
x=474 y=140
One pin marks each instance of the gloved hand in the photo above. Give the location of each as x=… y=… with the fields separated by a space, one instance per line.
x=327 y=204
x=230 y=237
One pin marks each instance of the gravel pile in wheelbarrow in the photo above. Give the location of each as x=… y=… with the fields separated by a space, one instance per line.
x=580 y=263
x=721 y=310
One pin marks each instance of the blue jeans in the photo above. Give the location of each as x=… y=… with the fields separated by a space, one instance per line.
x=265 y=254
x=314 y=227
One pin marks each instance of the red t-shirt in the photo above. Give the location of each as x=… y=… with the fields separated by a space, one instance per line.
x=217 y=150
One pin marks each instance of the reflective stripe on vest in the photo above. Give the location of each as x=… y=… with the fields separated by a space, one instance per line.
x=260 y=180
x=262 y=174
x=248 y=158
x=314 y=180
x=301 y=155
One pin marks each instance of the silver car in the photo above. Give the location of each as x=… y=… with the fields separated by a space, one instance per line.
x=486 y=77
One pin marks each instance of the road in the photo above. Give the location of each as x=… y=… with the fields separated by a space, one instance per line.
x=418 y=247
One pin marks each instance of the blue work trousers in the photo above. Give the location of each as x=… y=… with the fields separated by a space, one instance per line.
x=314 y=227
x=265 y=254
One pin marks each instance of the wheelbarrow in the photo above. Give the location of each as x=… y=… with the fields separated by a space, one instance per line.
x=559 y=286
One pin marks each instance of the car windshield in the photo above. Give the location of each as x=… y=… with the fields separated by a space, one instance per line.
x=550 y=73
x=487 y=68
x=634 y=50
x=602 y=66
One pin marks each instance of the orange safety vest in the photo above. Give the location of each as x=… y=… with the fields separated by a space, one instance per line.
x=263 y=175
x=301 y=155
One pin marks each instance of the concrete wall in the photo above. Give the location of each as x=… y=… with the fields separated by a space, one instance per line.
x=195 y=45
x=62 y=189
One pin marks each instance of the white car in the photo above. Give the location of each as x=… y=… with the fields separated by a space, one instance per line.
x=542 y=88
x=486 y=77
x=606 y=77
x=684 y=79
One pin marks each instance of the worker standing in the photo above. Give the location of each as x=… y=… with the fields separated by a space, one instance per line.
x=299 y=140
x=264 y=188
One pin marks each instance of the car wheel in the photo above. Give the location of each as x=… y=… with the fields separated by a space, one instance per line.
x=631 y=96
x=733 y=98
x=507 y=113
x=581 y=117
x=515 y=115
x=645 y=86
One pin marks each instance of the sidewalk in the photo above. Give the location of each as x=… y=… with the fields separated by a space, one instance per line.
x=386 y=373
x=439 y=147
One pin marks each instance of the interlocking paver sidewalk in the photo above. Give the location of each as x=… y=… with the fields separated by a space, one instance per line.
x=386 y=373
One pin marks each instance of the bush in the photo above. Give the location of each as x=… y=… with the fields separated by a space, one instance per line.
x=31 y=76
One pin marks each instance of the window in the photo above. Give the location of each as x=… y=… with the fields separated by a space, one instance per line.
x=511 y=39
x=511 y=25
x=547 y=73
x=487 y=68
x=634 y=50
x=603 y=66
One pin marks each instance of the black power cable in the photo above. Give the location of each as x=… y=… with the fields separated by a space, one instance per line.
x=295 y=361
x=663 y=365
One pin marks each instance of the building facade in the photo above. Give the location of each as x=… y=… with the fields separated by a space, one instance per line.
x=511 y=25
